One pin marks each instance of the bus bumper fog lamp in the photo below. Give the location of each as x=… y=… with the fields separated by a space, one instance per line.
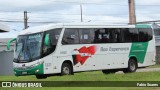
x=37 y=71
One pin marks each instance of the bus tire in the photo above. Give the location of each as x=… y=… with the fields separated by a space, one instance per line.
x=109 y=71
x=66 y=69
x=41 y=76
x=132 y=66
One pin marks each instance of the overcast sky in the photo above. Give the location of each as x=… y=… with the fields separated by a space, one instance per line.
x=109 y=11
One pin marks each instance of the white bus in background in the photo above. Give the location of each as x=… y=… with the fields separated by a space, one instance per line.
x=69 y=47
x=157 y=33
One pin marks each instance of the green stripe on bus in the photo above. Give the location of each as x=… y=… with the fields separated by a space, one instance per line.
x=139 y=50
x=142 y=26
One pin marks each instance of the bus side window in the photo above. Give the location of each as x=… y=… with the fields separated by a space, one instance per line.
x=145 y=34
x=96 y=36
x=53 y=39
x=134 y=34
x=118 y=35
x=70 y=36
x=102 y=36
x=85 y=36
x=114 y=35
x=130 y=35
x=47 y=49
x=127 y=37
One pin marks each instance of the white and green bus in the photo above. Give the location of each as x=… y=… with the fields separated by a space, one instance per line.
x=74 y=47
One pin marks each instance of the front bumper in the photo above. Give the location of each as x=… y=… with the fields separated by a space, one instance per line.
x=29 y=71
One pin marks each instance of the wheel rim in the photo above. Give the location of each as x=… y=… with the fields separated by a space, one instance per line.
x=66 y=70
x=132 y=66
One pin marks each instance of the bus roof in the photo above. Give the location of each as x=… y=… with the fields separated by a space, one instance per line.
x=78 y=25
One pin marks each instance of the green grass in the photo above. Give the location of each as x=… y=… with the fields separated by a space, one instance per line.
x=89 y=76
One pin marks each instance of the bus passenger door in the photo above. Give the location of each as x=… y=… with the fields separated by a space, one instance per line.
x=49 y=47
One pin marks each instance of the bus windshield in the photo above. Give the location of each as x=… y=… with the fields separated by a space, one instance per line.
x=28 y=47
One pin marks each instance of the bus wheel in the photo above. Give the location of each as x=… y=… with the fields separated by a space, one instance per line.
x=66 y=69
x=132 y=66
x=41 y=76
x=109 y=71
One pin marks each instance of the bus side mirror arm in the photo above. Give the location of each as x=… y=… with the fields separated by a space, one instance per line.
x=46 y=40
x=9 y=43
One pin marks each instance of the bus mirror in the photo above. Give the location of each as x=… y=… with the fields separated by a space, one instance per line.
x=9 y=43
x=46 y=40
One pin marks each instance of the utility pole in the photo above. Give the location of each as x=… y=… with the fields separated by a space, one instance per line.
x=81 y=12
x=25 y=20
x=132 y=15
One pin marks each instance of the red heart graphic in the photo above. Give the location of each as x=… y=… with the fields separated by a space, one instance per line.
x=86 y=51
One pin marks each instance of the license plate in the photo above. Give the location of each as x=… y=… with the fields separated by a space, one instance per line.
x=24 y=72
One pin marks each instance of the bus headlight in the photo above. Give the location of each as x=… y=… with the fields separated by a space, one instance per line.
x=38 y=63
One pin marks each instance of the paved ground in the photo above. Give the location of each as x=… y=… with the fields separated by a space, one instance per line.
x=143 y=70
x=148 y=69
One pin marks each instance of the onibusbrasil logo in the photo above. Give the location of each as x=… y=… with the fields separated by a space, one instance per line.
x=21 y=84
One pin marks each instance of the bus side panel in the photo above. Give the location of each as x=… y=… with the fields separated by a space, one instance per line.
x=149 y=58
x=115 y=57
x=106 y=56
x=60 y=60
x=94 y=57
x=50 y=64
